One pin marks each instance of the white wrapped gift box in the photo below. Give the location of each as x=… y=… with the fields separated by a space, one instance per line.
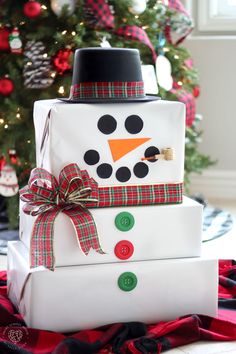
x=88 y=296
x=108 y=140
x=128 y=233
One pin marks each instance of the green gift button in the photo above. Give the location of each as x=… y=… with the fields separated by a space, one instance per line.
x=127 y=281
x=124 y=221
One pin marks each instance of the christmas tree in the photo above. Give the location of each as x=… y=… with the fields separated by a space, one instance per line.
x=37 y=41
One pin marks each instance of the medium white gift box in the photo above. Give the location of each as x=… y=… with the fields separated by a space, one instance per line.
x=88 y=296
x=128 y=233
x=109 y=140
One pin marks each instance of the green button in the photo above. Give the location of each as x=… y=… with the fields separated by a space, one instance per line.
x=124 y=221
x=127 y=281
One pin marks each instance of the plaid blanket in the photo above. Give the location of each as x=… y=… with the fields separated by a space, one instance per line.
x=120 y=338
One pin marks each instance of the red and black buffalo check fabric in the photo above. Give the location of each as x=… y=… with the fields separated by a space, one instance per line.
x=137 y=33
x=99 y=13
x=121 y=338
x=190 y=104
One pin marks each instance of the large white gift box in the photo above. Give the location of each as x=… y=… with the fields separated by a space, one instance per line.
x=128 y=233
x=88 y=296
x=109 y=140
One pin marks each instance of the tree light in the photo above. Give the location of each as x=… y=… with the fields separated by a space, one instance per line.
x=64 y=32
x=61 y=90
x=44 y=7
x=1 y=120
x=176 y=56
x=73 y=33
x=6 y=126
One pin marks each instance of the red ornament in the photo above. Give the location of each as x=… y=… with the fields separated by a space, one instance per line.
x=2 y=162
x=13 y=157
x=4 y=39
x=62 y=60
x=196 y=91
x=6 y=86
x=176 y=85
x=32 y=9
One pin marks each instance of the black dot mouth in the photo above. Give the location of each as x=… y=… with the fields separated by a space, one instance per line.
x=104 y=170
x=123 y=174
x=141 y=170
x=91 y=157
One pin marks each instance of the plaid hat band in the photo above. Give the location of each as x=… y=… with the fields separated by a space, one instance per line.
x=107 y=90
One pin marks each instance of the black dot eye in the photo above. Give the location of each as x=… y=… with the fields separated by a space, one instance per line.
x=134 y=124
x=123 y=174
x=107 y=124
x=151 y=151
x=104 y=170
x=141 y=170
x=91 y=157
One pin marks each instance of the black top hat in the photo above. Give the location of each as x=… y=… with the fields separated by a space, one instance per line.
x=105 y=75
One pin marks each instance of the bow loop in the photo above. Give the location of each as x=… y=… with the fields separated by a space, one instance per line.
x=40 y=193
x=76 y=187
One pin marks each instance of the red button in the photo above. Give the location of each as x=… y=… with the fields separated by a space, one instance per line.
x=124 y=249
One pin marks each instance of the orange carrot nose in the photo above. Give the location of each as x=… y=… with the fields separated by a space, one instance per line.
x=121 y=147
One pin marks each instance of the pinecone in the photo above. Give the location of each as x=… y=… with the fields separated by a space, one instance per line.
x=37 y=68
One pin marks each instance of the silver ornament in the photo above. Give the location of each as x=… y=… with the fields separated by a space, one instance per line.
x=138 y=6
x=57 y=6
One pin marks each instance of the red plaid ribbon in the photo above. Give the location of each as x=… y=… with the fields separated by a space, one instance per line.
x=188 y=99
x=179 y=7
x=46 y=197
x=137 y=33
x=171 y=193
x=107 y=90
x=99 y=11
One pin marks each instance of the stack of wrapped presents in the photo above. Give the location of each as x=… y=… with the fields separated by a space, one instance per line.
x=106 y=233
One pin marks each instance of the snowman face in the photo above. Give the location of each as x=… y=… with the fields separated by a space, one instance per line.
x=119 y=148
x=8 y=182
x=110 y=140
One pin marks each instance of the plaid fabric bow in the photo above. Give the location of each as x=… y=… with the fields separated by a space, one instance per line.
x=46 y=197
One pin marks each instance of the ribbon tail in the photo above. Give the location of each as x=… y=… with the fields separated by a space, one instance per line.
x=85 y=228
x=42 y=253
x=136 y=33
